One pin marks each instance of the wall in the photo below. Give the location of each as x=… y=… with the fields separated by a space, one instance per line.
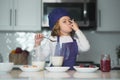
x=101 y=43
x=11 y=40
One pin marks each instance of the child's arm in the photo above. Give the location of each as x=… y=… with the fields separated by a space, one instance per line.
x=83 y=43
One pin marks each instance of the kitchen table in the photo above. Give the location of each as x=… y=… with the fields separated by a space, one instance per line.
x=69 y=75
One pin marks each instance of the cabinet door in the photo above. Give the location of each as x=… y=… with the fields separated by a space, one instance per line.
x=6 y=14
x=108 y=15
x=27 y=15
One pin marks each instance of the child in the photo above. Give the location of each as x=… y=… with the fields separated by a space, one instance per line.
x=67 y=36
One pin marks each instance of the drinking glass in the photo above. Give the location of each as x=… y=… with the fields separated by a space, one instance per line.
x=56 y=61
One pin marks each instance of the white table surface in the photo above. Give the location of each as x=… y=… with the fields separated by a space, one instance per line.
x=69 y=75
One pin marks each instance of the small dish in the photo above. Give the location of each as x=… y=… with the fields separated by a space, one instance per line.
x=6 y=66
x=85 y=69
x=29 y=68
x=17 y=66
x=57 y=69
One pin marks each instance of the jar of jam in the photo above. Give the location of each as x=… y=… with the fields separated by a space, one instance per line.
x=105 y=64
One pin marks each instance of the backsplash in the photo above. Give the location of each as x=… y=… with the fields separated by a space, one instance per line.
x=11 y=40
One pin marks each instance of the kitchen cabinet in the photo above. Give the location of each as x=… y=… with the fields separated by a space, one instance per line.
x=108 y=15
x=20 y=15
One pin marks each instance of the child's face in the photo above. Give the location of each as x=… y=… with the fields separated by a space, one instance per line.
x=65 y=25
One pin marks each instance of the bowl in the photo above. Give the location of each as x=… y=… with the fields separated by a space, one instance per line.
x=30 y=68
x=57 y=69
x=86 y=69
x=6 y=67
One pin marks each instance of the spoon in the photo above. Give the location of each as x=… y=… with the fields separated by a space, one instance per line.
x=50 y=39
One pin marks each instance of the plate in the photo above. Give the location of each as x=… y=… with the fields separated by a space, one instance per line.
x=29 y=68
x=85 y=69
x=17 y=66
x=57 y=69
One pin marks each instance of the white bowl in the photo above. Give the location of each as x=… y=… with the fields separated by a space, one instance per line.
x=85 y=69
x=57 y=69
x=29 y=68
x=6 y=67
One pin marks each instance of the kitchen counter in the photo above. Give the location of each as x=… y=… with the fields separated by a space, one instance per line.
x=69 y=75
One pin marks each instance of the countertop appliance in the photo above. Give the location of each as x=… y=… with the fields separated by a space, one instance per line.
x=82 y=11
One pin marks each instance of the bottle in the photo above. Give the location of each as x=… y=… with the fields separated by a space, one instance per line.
x=105 y=63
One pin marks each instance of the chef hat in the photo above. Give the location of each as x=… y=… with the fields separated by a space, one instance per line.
x=55 y=15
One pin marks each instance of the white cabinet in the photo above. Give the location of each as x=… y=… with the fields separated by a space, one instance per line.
x=6 y=15
x=108 y=15
x=20 y=15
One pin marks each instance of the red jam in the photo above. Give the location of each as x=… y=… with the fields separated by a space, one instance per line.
x=105 y=63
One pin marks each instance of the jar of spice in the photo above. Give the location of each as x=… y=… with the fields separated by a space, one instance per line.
x=105 y=63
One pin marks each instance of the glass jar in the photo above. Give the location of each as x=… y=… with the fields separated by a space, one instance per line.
x=105 y=63
x=38 y=59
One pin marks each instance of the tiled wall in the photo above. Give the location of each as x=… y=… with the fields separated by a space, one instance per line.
x=11 y=40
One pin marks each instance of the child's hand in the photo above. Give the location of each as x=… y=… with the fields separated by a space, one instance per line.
x=74 y=25
x=38 y=39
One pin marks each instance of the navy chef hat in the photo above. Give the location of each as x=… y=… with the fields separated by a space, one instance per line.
x=55 y=15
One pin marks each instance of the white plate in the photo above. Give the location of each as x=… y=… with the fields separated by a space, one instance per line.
x=85 y=69
x=29 y=68
x=57 y=69
x=17 y=66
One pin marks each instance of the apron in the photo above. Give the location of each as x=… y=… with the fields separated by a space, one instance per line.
x=69 y=51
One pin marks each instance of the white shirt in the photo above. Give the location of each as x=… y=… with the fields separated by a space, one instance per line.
x=48 y=48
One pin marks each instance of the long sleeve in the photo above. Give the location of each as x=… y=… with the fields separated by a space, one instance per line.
x=46 y=48
x=83 y=43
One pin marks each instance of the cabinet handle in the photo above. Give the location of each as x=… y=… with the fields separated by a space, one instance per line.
x=10 y=17
x=15 y=17
x=99 y=17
